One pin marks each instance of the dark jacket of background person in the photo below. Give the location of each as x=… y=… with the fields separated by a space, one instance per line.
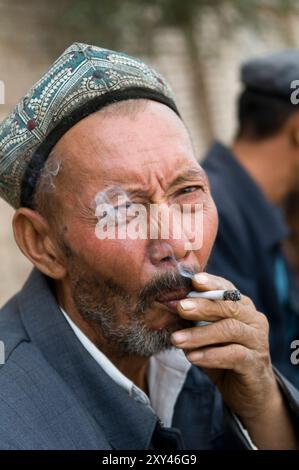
x=291 y=211
x=53 y=394
x=247 y=248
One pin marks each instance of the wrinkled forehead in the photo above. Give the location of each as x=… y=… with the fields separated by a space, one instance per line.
x=150 y=145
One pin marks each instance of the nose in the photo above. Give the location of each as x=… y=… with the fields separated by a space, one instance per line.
x=167 y=252
x=168 y=242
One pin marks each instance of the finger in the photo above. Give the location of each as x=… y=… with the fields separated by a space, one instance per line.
x=206 y=282
x=221 y=332
x=232 y=357
x=212 y=310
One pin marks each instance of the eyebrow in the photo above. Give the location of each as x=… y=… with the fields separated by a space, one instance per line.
x=191 y=174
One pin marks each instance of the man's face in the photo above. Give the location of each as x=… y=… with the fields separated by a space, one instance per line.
x=127 y=289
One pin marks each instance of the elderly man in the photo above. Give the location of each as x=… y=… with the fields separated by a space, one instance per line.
x=102 y=347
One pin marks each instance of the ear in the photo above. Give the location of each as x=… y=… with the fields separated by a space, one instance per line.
x=33 y=236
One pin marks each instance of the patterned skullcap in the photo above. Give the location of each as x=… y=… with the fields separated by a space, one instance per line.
x=81 y=81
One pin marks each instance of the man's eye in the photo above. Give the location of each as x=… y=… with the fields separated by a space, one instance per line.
x=125 y=205
x=190 y=189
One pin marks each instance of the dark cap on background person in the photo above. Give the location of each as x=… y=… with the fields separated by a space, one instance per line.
x=273 y=74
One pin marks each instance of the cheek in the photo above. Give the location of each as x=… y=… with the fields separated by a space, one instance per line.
x=120 y=260
x=210 y=227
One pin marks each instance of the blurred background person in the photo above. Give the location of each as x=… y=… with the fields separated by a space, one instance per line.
x=250 y=181
x=290 y=208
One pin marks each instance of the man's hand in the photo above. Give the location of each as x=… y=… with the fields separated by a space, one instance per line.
x=234 y=351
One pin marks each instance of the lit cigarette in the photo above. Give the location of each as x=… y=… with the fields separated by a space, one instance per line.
x=233 y=295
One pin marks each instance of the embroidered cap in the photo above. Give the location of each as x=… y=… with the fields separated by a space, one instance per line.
x=82 y=80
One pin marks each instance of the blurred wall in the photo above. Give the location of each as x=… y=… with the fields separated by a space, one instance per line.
x=21 y=63
x=23 y=57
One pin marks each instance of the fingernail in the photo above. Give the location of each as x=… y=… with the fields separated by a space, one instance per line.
x=201 y=278
x=179 y=336
x=187 y=304
x=195 y=356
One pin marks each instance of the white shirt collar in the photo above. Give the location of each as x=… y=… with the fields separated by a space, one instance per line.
x=167 y=373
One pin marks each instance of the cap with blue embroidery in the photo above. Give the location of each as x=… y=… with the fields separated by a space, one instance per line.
x=82 y=80
x=272 y=75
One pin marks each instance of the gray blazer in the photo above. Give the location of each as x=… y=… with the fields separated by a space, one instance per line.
x=53 y=395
